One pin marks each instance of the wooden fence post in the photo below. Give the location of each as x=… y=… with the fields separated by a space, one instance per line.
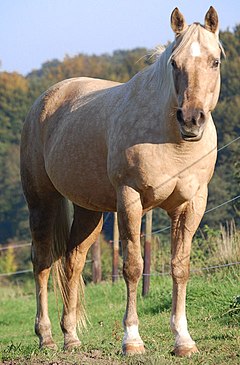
x=96 y=262
x=147 y=254
x=115 y=250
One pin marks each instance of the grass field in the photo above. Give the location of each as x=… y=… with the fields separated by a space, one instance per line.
x=213 y=311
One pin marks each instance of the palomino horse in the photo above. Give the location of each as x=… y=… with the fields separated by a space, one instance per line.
x=104 y=146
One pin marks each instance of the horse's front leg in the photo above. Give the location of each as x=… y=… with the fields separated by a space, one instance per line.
x=185 y=221
x=129 y=220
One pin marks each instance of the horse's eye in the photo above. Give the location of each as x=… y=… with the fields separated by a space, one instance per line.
x=216 y=62
x=173 y=63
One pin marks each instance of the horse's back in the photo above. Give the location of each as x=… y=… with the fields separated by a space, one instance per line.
x=64 y=92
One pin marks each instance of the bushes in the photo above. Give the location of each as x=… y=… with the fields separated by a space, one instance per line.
x=210 y=247
x=216 y=247
x=8 y=261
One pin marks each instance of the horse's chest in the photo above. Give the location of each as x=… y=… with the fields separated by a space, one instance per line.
x=187 y=186
x=169 y=186
x=171 y=189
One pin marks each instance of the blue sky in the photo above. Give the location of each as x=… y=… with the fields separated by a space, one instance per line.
x=35 y=31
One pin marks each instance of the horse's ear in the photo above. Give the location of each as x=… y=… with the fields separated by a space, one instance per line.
x=211 y=20
x=178 y=23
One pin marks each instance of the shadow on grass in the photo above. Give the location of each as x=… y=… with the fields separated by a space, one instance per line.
x=216 y=337
x=155 y=307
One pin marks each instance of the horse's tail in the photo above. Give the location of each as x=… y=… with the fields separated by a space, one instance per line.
x=59 y=248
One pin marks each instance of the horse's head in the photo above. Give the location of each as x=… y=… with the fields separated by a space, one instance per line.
x=195 y=62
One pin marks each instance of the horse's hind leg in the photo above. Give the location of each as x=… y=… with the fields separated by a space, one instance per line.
x=42 y=218
x=85 y=228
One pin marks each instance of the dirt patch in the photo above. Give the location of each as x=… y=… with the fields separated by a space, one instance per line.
x=93 y=357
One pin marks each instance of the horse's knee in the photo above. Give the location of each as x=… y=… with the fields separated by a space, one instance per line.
x=132 y=269
x=180 y=271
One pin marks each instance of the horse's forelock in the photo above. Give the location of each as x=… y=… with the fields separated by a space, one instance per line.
x=183 y=39
x=186 y=37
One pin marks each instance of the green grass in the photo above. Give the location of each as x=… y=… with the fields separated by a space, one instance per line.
x=213 y=317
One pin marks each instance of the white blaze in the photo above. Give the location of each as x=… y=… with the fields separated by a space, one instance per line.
x=195 y=49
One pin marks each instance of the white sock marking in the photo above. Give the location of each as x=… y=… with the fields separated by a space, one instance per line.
x=131 y=334
x=182 y=336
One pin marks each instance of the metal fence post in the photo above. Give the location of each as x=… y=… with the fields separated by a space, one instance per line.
x=96 y=262
x=115 y=250
x=147 y=254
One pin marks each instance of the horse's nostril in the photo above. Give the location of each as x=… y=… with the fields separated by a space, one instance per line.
x=198 y=118
x=201 y=118
x=191 y=117
x=180 y=117
x=194 y=121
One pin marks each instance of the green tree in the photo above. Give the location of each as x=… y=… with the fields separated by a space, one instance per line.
x=7 y=261
x=225 y=183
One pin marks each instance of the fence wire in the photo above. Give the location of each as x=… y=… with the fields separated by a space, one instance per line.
x=142 y=235
x=193 y=271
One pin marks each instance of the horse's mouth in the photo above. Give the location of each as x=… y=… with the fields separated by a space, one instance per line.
x=190 y=137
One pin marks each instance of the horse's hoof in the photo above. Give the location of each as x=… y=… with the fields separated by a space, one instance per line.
x=48 y=345
x=133 y=349
x=71 y=345
x=185 y=351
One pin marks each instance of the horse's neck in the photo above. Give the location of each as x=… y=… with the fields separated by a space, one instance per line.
x=153 y=88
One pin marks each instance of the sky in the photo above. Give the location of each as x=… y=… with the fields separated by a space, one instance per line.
x=35 y=31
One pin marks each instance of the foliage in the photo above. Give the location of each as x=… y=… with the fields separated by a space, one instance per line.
x=17 y=93
x=216 y=247
x=226 y=183
x=235 y=306
x=210 y=247
x=8 y=261
x=13 y=107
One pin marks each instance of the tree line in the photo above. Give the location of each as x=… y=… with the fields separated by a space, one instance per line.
x=17 y=93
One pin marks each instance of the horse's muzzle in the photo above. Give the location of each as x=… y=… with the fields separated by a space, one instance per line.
x=192 y=123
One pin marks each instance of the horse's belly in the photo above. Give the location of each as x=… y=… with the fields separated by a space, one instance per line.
x=83 y=182
x=92 y=196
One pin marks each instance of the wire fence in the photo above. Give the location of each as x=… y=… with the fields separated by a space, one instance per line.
x=15 y=246
x=142 y=235
x=153 y=233
x=197 y=270
x=16 y=273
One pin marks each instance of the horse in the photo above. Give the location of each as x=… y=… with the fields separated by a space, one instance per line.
x=106 y=146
